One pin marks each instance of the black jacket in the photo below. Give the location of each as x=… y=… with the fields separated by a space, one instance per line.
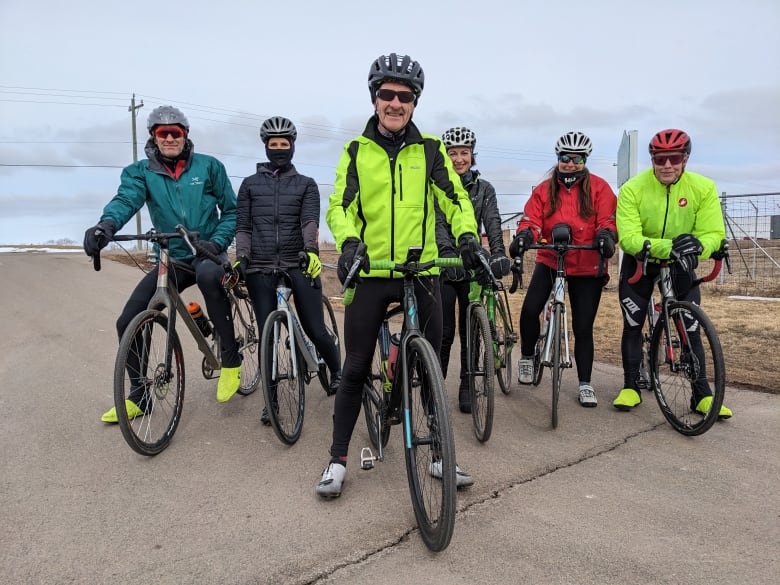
x=277 y=216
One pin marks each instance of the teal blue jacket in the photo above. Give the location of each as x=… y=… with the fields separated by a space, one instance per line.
x=200 y=199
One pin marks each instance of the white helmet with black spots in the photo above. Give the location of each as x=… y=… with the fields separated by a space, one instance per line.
x=278 y=126
x=574 y=143
x=399 y=68
x=166 y=115
x=459 y=136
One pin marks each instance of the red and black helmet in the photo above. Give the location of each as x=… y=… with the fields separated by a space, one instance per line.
x=670 y=139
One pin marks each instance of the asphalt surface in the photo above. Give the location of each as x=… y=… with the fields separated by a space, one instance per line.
x=607 y=497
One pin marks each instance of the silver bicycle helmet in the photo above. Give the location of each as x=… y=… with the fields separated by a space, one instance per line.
x=459 y=136
x=393 y=67
x=164 y=115
x=278 y=126
x=574 y=143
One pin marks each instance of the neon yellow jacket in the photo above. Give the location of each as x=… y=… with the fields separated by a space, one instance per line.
x=649 y=210
x=389 y=204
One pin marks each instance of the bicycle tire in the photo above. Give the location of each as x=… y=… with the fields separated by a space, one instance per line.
x=284 y=393
x=374 y=404
x=556 y=323
x=481 y=372
x=674 y=390
x=248 y=339
x=140 y=375
x=538 y=368
x=333 y=330
x=428 y=438
x=503 y=342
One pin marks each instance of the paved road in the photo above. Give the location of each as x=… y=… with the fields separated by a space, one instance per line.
x=607 y=498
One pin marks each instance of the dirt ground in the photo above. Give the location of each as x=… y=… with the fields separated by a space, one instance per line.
x=749 y=330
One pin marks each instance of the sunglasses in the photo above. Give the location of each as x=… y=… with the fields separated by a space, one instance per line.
x=660 y=159
x=388 y=95
x=162 y=132
x=576 y=159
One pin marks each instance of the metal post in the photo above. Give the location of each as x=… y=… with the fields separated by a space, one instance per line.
x=132 y=109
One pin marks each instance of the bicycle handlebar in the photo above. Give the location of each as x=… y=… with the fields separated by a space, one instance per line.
x=560 y=248
x=644 y=256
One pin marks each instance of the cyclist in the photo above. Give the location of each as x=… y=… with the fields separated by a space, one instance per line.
x=460 y=143
x=574 y=196
x=678 y=211
x=277 y=227
x=386 y=182
x=179 y=186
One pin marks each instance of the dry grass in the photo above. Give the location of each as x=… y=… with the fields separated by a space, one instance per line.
x=749 y=330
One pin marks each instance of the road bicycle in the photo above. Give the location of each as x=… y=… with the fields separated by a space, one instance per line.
x=682 y=359
x=149 y=367
x=289 y=359
x=411 y=392
x=552 y=347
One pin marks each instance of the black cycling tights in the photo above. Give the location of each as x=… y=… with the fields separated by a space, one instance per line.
x=584 y=297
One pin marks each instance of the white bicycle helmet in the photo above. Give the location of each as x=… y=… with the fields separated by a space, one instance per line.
x=459 y=136
x=278 y=126
x=574 y=143
x=165 y=115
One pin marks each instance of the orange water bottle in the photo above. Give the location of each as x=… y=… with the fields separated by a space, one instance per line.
x=200 y=318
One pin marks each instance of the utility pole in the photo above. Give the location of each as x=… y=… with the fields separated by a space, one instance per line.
x=132 y=109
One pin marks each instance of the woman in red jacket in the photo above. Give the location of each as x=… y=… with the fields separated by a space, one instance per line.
x=570 y=195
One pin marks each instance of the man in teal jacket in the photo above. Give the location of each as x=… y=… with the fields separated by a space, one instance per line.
x=178 y=186
x=679 y=213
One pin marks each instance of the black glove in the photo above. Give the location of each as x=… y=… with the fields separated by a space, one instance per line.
x=453 y=274
x=470 y=251
x=347 y=258
x=97 y=237
x=606 y=238
x=241 y=265
x=686 y=249
x=499 y=265
x=521 y=243
x=209 y=246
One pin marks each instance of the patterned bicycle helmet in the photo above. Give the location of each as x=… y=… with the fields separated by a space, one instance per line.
x=165 y=115
x=459 y=136
x=278 y=126
x=671 y=139
x=574 y=143
x=393 y=67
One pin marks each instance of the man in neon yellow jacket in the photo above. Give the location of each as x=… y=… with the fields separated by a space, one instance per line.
x=386 y=183
x=679 y=213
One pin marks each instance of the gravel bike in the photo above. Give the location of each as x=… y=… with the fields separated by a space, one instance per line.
x=149 y=367
x=289 y=359
x=682 y=359
x=411 y=392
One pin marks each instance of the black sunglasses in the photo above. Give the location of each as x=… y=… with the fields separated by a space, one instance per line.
x=577 y=159
x=388 y=95
x=660 y=159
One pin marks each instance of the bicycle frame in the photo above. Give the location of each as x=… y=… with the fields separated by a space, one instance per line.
x=557 y=298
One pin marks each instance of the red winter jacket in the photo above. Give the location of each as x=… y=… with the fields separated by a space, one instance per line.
x=578 y=262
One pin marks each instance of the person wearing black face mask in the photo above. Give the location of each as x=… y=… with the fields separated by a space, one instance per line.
x=277 y=227
x=570 y=195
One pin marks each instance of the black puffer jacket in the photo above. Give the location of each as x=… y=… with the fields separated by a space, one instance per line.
x=483 y=199
x=278 y=215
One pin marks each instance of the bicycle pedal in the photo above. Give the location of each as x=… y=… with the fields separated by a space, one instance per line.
x=367 y=459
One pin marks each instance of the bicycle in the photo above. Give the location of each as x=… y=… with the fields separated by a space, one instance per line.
x=552 y=347
x=149 y=367
x=289 y=359
x=411 y=392
x=679 y=335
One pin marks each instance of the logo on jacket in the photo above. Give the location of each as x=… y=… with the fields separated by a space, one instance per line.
x=195 y=181
x=683 y=202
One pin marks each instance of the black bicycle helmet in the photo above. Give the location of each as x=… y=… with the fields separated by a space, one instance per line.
x=393 y=67
x=164 y=115
x=277 y=126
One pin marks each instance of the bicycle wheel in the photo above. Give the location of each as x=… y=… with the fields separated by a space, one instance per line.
x=503 y=342
x=538 y=368
x=374 y=402
x=142 y=376
x=284 y=392
x=481 y=372
x=556 y=324
x=687 y=368
x=429 y=446
x=333 y=330
x=248 y=341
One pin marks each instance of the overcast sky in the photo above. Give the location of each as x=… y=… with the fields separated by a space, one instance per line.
x=518 y=73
